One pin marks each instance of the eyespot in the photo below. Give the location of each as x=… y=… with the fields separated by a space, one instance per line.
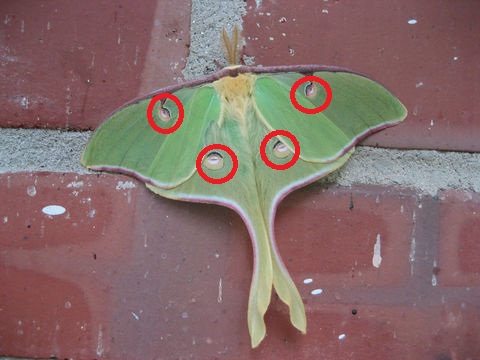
x=310 y=90
x=213 y=161
x=164 y=114
x=280 y=150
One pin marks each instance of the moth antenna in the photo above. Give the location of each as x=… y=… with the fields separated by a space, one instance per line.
x=235 y=43
x=231 y=45
x=227 y=44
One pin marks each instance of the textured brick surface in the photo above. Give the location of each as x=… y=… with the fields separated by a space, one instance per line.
x=459 y=249
x=432 y=66
x=68 y=65
x=384 y=272
x=125 y=274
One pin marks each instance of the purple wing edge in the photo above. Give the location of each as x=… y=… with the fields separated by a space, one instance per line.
x=234 y=71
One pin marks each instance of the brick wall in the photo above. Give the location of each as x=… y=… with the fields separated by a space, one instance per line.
x=387 y=268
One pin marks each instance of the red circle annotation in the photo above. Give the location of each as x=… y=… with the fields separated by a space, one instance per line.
x=151 y=120
x=311 y=78
x=213 y=147
x=296 y=153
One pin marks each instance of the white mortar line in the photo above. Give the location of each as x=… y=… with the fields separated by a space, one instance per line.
x=23 y=150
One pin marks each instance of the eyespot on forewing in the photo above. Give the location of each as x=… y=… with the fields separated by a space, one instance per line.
x=164 y=114
x=311 y=90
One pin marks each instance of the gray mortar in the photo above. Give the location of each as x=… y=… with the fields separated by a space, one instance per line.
x=428 y=171
x=205 y=39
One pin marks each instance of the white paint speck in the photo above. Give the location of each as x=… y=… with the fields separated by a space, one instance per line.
x=24 y=102
x=100 y=341
x=124 y=185
x=184 y=315
x=434 y=277
x=271 y=38
x=419 y=84
x=68 y=305
x=135 y=316
x=53 y=210
x=412 y=254
x=68 y=99
x=342 y=337
x=91 y=213
x=455 y=58
x=307 y=281
x=316 y=291
x=75 y=184
x=377 y=256
x=5 y=219
x=412 y=21
x=220 y=291
x=325 y=11
x=31 y=191
x=135 y=59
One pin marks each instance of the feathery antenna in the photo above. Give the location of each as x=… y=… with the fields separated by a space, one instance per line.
x=231 y=45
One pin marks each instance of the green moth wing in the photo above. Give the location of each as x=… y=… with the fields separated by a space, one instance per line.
x=239 y=108
x=358 y=107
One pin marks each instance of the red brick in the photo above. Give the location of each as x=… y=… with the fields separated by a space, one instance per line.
x=431 y=66
x=140 y=275
x=459 y=248
x=70 y=64
x=333 y=233
x=148 y=283
x=57 y=269
x=435 y=331
x=43 y=315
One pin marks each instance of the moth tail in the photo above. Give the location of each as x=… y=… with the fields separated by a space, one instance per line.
x=261 y=286
x=288 y=292
x=269 y=271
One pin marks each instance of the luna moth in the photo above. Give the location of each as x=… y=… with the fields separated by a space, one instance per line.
x=244 y=138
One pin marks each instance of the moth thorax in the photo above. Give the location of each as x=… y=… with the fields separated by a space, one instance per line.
x=236 y=95
x=232 y=88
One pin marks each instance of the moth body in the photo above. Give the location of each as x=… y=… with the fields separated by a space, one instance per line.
x=236 y=97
